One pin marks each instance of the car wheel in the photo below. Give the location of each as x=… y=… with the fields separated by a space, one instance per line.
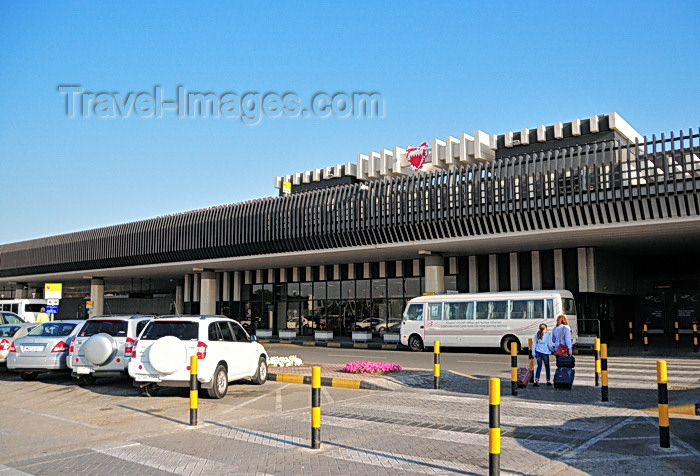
x=415 y=343
x=260 y=376
x=86 y=380
x=29 y=376
x=150 y=390
x=219 y=384
x=507 y=341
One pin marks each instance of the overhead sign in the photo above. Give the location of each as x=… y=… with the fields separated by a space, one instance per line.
x=51 y=309
x=52 y=302
x=53 y=290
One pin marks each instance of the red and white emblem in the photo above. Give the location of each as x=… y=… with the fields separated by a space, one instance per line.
x=416 y=155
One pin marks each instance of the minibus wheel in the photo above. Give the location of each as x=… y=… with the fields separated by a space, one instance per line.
x=507 y=340
x=415 y=343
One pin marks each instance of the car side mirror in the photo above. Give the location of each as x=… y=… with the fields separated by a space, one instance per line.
x=253 y=339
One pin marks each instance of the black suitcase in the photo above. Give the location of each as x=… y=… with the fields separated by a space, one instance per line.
x=568 y=362
x=564 y=378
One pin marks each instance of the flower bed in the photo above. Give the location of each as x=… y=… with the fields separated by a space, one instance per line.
x=370 y=367
x=291 y=361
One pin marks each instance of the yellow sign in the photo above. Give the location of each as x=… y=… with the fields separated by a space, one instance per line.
x=89 y=304
x=53 y=290
x=286 y=188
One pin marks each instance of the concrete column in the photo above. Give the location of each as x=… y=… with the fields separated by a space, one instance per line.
x=336 y=272
x=236 y=286
x=559 y=281
x=351 y=271
x=493 y=273
x=590 y=260
x=382 y=269
x=434 y=274
x=271 y=277
x=399 y=269
x=97 y=296
x=196 y=287
x=187 y=297
x=473 y=275
x=416 y=267
x=258 y=276
x=582 y=263
x=536 y=271
x=208 y=293
x=247 y=277
x=218 y=287
x=322 y=272
x=309 y=273
x=514 y=272
x=366 y=271
x=21 y=292
x=226 y=292
x=179 y=300
x=452 y=265
x=283 y=275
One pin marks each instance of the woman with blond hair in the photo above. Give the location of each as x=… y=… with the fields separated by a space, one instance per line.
x=561 y=335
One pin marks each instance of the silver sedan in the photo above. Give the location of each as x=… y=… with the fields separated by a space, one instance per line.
x=8 y=334
x=44 y=349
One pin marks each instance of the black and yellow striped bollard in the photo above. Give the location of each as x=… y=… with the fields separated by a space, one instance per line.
x=436 y=365
x=664 y=425
x=596 y=347
x=695 y=336
x=531 y=364
x=631 y=334
x=514 y=368
x=316 y=408
x=494 y=426
x=677 y=336
x=604 y=371
x=646 y=337
x=194 y=391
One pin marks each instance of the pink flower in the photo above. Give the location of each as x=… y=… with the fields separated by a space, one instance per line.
x=370 y=367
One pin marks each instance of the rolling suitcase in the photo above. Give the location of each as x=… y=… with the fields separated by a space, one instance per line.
x=567 y=362
x=564 y=378
x=524 y=376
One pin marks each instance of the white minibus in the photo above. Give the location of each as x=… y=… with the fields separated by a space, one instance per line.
x=484 y=319
x=27 y=309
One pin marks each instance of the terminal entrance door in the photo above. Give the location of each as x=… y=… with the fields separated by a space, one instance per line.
x=662 y=309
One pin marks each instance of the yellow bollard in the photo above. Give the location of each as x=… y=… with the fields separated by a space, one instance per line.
x=695 y=337
x=646 y=337
x=664 y=425
x=494 y=426
x=677 y=336
x=436 y=365
x=514 y=368
x=194 y=392
x=597 y=360
x=604 y=371
x=316 y=407
x=631 y=334
x=531 y=364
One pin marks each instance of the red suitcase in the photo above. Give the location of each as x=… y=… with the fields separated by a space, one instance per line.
x=524 y=376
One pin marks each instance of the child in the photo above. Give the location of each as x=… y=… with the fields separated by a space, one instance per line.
x=543 y=348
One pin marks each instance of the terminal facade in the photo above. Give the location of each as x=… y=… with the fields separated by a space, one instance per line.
x=588 y=205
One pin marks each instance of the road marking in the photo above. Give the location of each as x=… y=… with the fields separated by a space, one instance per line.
x=162 y=459
x=228 y=410
x=327 y=395
x=9 y=471
x=46 y=415
x=264 y=438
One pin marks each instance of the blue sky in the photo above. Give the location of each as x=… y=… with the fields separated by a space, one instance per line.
x=442 y=69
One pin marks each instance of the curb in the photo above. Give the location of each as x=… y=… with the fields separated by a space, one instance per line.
x=342 y=345
x=338 y=382
x=692 y=409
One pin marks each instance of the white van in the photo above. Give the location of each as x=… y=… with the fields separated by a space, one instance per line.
x=27 y=309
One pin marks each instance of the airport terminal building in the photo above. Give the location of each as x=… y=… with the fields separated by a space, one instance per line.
x=588 y=205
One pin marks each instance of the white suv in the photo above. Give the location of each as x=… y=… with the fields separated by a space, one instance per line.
x=104 y=345
x=161 y=356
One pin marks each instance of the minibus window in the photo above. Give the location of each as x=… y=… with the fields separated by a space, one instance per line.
x=435 y=311
x=414 y=312
x=459 y=311
x=568 y=306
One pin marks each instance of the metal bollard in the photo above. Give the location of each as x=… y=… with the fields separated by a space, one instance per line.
x=316 y=408
x=494 y=426
x=646 y=337
x=664 y=425
x=436 y=365
x=194 y=392
x=677 y=336
x=597 y=361
x=531 y=365
x=604 y=371
x=514 y=368
x=631 y=334
x=695 y=337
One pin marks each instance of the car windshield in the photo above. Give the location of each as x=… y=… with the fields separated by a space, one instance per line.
x=113 y=328
x=12 y=319
x=53 y=329
x=8 y=331
x=182 y=330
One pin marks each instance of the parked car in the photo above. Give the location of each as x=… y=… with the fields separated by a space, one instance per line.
x=8 y=334
x=7 y=317
x=161 y=356
x=43 y=349
x=103 y=346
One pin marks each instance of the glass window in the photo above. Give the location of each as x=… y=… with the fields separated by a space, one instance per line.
x=362 y=289
x=395 y=287
x=293 y=314
x=395 y=314
x=214 y=332
x=569 y=306
x=412 y=287
x=451 y=283
x=482 y=310
x=347 y=290
x=435 y=311
x=33 y=307
x=414 y=312
x=499 y=310
x=292 y=290
x=140 y=326
x=320 y=290
x=8 y=331
x=181 y=330
x=10 y=319
x=333 y=291
x=238 y=331
x=537 y=310
x=519 y=309
x=52 y=329
x=226 y=334
x=305 y=289
x=550 y=309
x=378 y=288
x=459 y=310
x=113 y=328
